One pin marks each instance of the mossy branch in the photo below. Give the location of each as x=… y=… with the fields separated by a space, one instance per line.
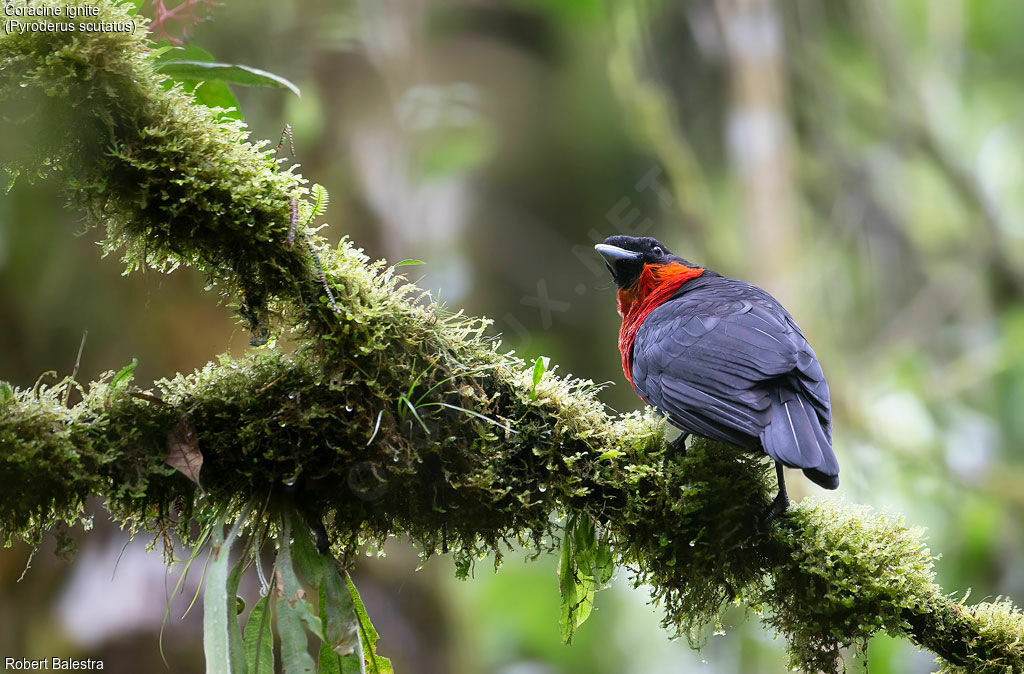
x=392 y=416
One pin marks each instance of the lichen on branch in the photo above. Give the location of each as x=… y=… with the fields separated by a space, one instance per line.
x=391 y=416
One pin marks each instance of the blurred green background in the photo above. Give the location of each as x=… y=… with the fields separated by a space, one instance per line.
x=860 y=159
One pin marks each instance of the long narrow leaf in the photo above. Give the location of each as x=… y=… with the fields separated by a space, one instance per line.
x=376 y=427
x=259 y=640
x=222 y=638
x=415 y=413
x=196 y=549
x=341 y=652
x=328 y=662
x=307 y=561
x=474 y=413
x=342 y=644
x=236 y=647
x=291 y=609
x=368 y=635
x=567 y=583
x=467 y=373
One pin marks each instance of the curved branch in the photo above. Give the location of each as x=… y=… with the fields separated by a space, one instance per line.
x=391 y=417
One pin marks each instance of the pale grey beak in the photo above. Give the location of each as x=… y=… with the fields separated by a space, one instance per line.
x=614 y=254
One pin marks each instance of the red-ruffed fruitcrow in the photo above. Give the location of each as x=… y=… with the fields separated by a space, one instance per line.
x=722 y=359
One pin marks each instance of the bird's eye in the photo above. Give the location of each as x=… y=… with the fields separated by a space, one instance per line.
x=657 y=251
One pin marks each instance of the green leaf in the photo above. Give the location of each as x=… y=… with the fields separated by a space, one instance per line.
x=341 y=625
x=259 y=641
x=293 y=611
x=408 y=261
x=169 y=51
x=368 y=635
x=157 y=52
x=341 y=651
x=135 y=6
x=6 y=393
x=236 y=647
x=222 y=639
x=327 y=661
x=472 y=413
x=216 y=94
x=196 y=549
x=540 y=366
x=203 y=71
x=321 y=199
x=610 y=454
x=213 y=93
x=583 y=565
x=308 y=562
x=567 y=583
x=604 y=563
x=415 y=413
x=124 y=374
x=585 y=549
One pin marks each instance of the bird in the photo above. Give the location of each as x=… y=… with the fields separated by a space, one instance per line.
x=722 y=359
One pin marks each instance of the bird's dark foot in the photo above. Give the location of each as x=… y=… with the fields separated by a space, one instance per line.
x=679 y=444
x=779 y=505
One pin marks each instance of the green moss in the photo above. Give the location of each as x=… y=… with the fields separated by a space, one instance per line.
x=689 y=526
x=849 y=573
x=984 y=638
x=47 y=453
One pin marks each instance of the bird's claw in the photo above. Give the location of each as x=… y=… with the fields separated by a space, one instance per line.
x=679 y=444
x=779 y=506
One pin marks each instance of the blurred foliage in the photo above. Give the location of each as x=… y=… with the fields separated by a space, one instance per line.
x=496 y=141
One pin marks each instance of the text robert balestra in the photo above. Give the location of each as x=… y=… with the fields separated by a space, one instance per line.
x=52 y=664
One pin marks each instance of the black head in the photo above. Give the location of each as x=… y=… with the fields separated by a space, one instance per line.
x=626 y=256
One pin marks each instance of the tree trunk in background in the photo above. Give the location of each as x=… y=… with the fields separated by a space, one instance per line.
x=759 y=142
x=421 y=217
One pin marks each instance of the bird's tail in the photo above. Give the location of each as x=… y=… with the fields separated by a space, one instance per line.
x=796 y=436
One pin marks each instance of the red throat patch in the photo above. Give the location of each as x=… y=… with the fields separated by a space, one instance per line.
x=655 y=285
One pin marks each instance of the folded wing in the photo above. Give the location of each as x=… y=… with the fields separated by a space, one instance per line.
x=726 y=361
